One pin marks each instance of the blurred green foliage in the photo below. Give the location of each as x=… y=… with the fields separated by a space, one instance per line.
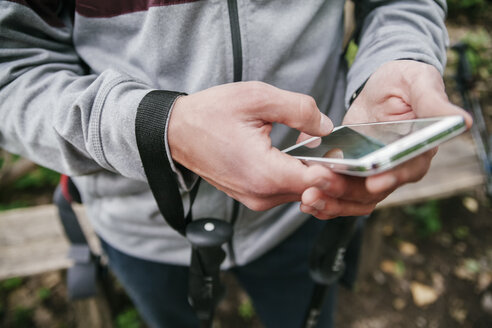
x=466 y=4
x=44 y=294
x=468 y=8
x=40 y=177
x=128 y=319
x=461 y=232
x=427 y=217
x=472 y=266
x=11 y=284
x=12 y=205
x=23 y=317
x=246 y=310
x=36 y=181
x=479 y=52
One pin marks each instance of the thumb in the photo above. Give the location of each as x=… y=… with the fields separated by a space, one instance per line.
x=428 y=97
x=298 y=111
x=440 y=106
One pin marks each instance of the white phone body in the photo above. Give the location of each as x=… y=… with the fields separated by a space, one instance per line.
x=371 y=148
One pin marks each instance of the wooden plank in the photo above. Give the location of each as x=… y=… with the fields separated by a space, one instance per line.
x=32 y=241
x=454 y=169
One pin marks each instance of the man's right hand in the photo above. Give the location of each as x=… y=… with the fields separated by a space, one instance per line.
x=222 y=134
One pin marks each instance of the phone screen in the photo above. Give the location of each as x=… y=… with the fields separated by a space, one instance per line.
x=357 y=141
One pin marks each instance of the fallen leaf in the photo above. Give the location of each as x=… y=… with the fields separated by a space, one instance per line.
x=388 y=266
x=468 y=269
x=459 y=315
x=407 y=248
x=487 y=302
x=472 y=265
x=379 y=277
x=399 y=303
x=388 y=230
x=438 y=282
x=483 y=281
x=471 y=204
x=422 y=294
x=462 y=273
x=457 y=310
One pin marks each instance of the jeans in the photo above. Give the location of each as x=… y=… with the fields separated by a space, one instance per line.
x=278 y=283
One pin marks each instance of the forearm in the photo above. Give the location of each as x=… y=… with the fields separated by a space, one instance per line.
x=52 y=111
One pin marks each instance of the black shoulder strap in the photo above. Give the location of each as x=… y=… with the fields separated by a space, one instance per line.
x=82 y=275
x=150 y=123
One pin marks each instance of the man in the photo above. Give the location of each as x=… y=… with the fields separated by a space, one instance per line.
x=73 y=78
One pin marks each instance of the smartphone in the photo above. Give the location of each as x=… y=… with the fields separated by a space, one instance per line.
x=371 y=148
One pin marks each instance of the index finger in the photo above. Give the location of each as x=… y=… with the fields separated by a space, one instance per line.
x=296 y=110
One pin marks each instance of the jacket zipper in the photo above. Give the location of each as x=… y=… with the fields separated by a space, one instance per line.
x=237 y=53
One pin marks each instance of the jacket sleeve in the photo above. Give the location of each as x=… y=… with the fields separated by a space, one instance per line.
x=53 y=110
x=397 y=29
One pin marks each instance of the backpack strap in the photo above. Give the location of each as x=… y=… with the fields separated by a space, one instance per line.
x=82 y=275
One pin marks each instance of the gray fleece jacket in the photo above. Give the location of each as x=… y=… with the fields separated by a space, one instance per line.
x=72 y=77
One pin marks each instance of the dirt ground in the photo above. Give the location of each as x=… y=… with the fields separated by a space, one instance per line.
x=439 y=280
x=420 y=279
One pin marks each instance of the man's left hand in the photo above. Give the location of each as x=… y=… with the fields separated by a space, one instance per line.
x=398 y=90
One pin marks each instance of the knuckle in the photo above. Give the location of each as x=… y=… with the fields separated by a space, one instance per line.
x=333 y=209
x=257 y=92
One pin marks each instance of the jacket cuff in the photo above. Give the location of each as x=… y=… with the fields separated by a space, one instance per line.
x=361 y=72
x=186 y=178
x=159 y=104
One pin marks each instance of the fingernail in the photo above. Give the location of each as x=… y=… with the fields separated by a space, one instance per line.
x=319 y=204
x=334 y=153
x=325 y=125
